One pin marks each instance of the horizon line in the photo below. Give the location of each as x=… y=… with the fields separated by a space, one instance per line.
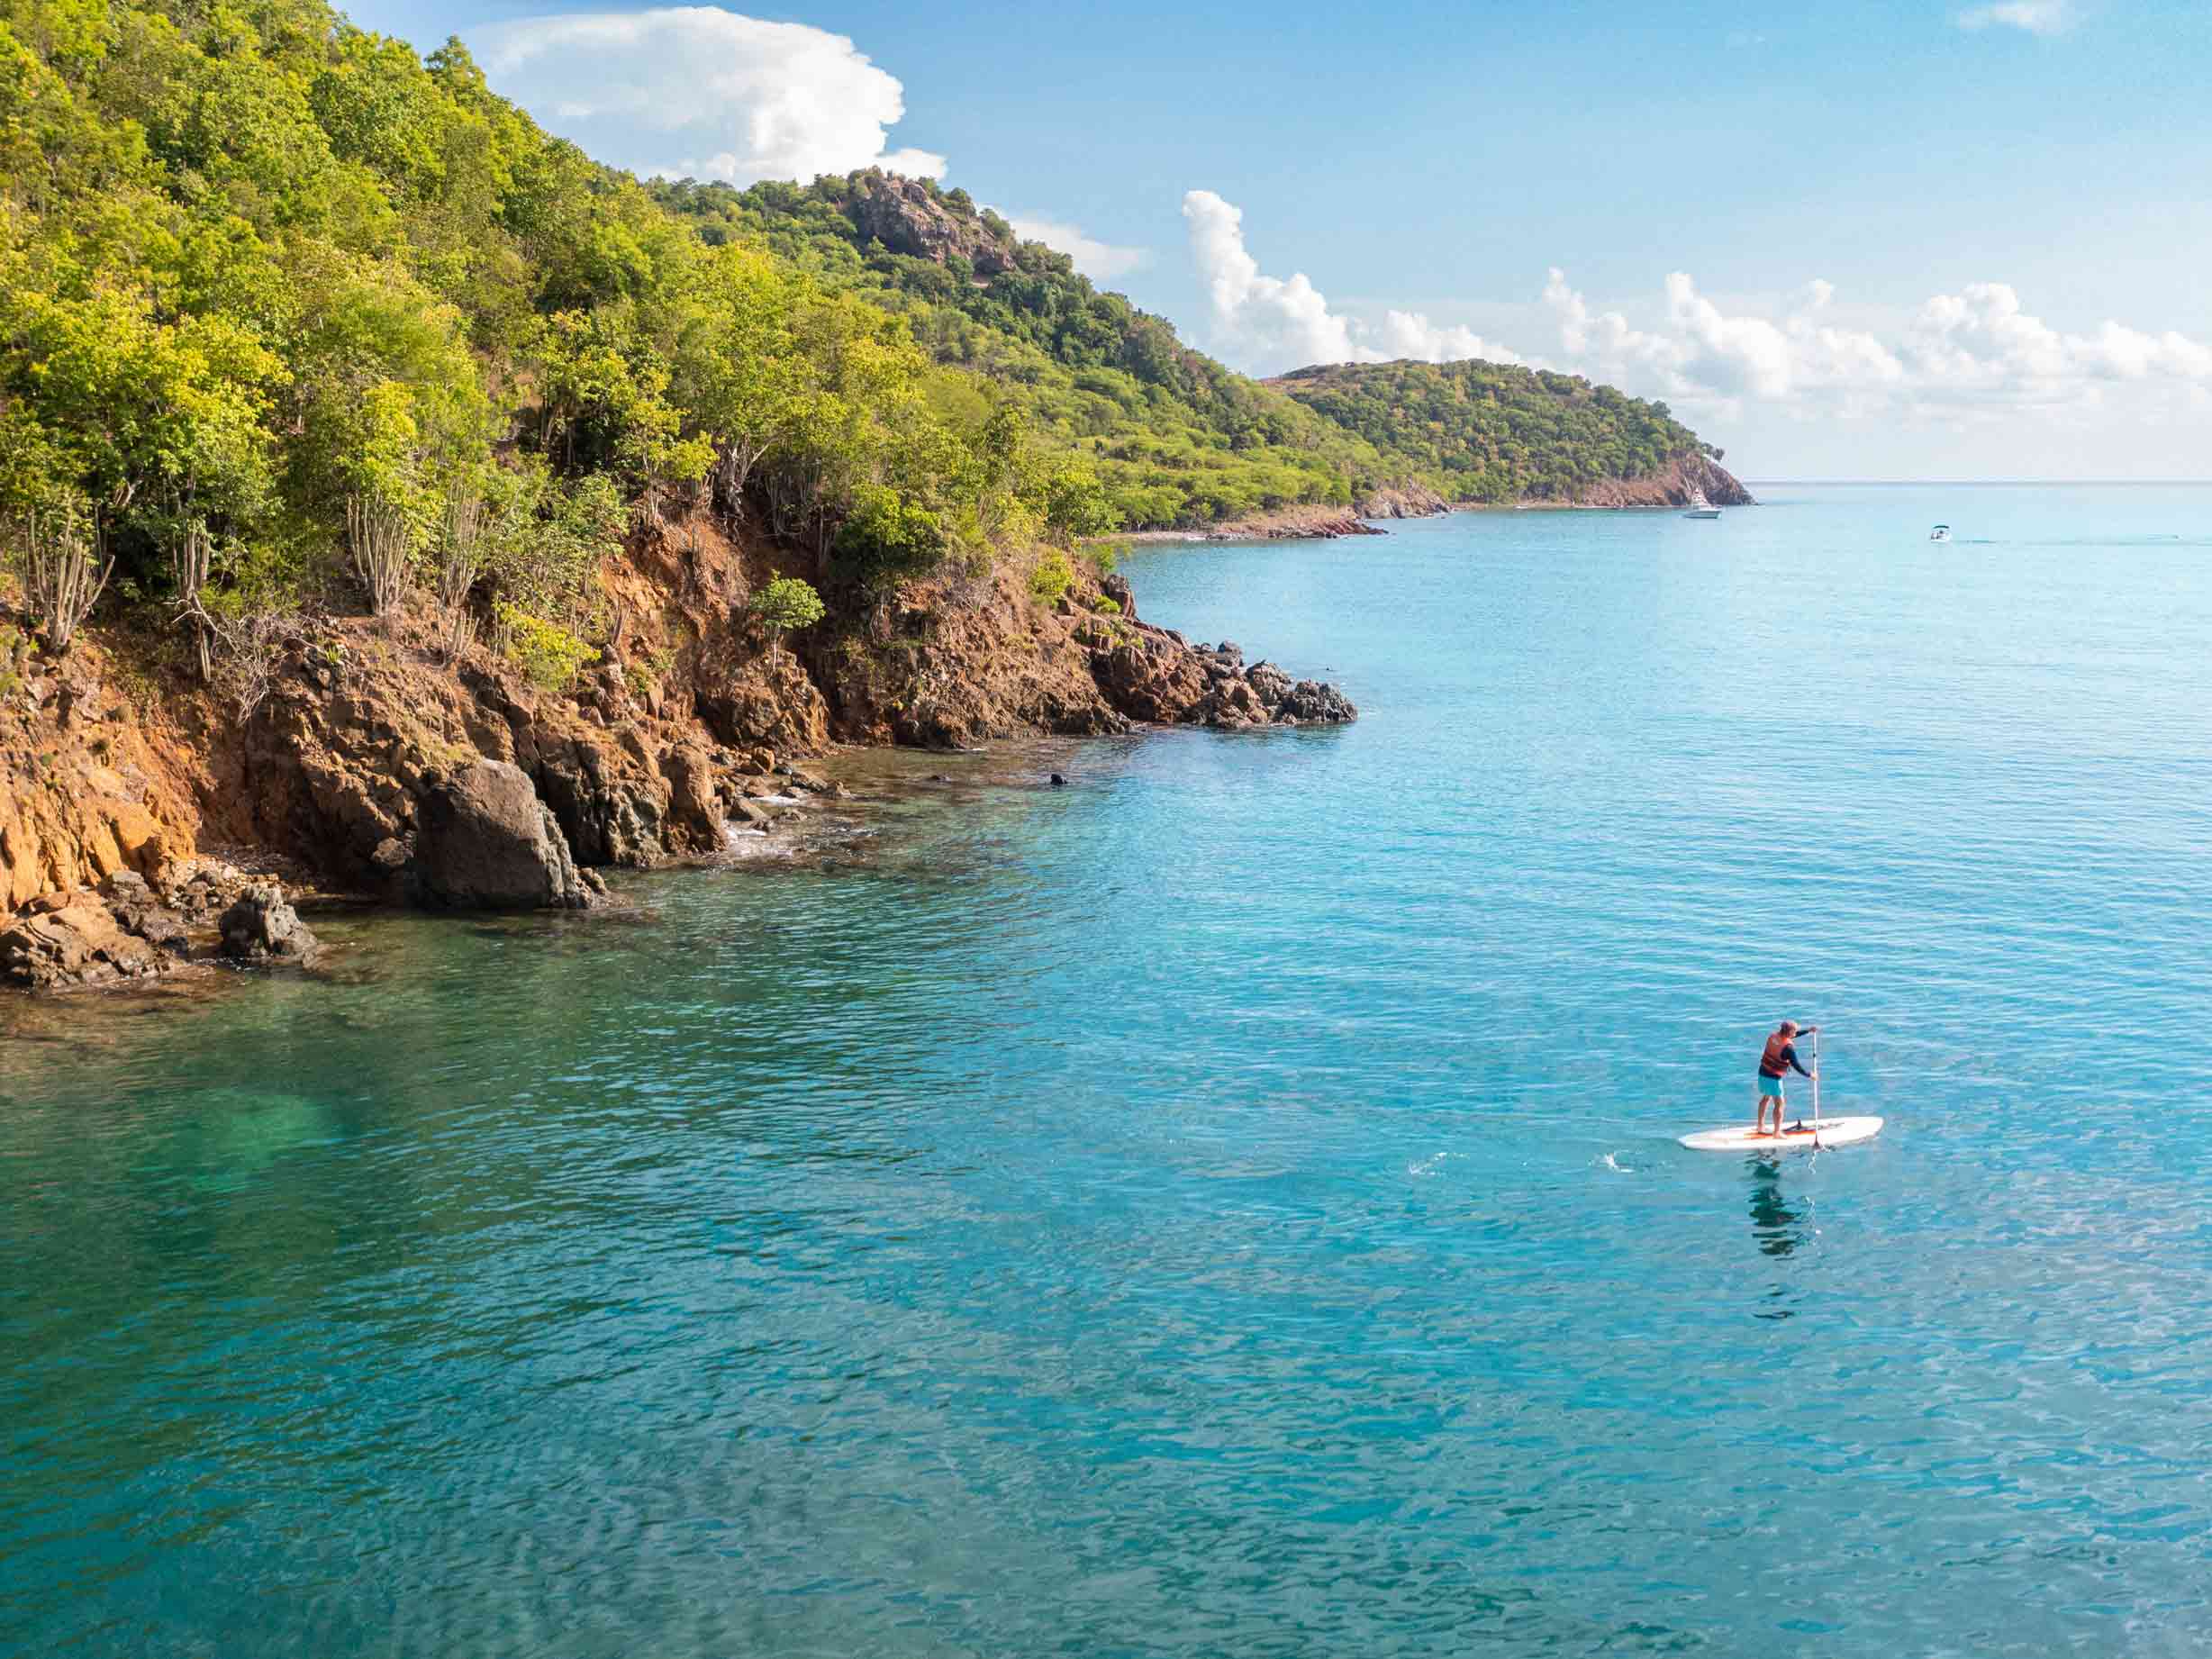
x=1993 y=482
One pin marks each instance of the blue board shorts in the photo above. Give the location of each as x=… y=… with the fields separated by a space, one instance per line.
x=1770 y=1088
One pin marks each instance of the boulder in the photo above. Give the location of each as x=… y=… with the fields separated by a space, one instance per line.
x=72 y=939
x=201 y=889
x=767 y=708
x=695 y=817
x=262 y=926
x=136 y=910
x=907 y=217
x=486 y=841
x=1313 y=700
x=608 y=794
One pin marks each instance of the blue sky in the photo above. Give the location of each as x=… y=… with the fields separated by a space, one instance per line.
x=1873 y=241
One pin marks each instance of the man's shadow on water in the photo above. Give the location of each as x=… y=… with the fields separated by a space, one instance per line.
x=1776 y=1227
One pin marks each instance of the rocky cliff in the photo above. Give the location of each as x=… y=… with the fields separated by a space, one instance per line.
x=1401 y=501
x=359 y=759
x=1674 y=486
x=906 y=217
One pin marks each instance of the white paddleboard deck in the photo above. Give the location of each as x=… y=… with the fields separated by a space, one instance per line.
x=1831 y=1132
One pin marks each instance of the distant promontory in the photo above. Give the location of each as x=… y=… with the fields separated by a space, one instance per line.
x=1494 y=434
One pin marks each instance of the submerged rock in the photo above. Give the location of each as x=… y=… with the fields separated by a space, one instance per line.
x=487 y=841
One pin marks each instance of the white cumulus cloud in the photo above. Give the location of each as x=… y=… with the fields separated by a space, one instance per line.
x=1411 y=334
x=702 y=91
x=1286 y=322
x=1978 y=349
x=1261 y=315
x=1957 y=355
x=1701 y=352
x=2036 y=16
x=1099 y=261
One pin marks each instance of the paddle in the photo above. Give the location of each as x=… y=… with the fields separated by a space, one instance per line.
x=1817 y=1088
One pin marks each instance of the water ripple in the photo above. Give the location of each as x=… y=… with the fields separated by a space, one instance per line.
x=1229 y=1205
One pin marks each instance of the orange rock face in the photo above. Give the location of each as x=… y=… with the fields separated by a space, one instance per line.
x=646 y=756
x=86 y=792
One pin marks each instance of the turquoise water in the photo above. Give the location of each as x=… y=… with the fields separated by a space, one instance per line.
x=1230 y=1205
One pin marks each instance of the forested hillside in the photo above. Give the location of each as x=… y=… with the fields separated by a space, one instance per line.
x=1492 y=432
x=287 y=309
x=1176 y=438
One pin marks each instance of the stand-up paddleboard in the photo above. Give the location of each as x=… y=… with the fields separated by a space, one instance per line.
x=1805 y=1136
x=1808 y=1133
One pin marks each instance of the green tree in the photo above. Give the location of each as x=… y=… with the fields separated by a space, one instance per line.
x=784 y=603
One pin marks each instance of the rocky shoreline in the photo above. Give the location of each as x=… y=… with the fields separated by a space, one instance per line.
x=360 y=765
x=202 y=913
x=1291 y=524
x=1688 y=477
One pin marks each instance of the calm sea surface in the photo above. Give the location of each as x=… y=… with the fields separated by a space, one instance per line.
x=1232 y=1205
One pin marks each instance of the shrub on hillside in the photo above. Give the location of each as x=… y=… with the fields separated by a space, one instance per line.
x=548 y=654
x=887 y=537
x=1052 y=577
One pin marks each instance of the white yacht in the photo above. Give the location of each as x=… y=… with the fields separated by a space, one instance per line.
x=1700 y=508
x=1942 y=532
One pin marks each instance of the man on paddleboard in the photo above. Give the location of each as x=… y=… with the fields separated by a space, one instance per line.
x=1774 y=1063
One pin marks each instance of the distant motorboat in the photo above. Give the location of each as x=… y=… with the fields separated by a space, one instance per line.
x=1700 y=508
x=1942 y=532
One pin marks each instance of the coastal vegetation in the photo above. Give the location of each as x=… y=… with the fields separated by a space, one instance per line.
x=291 y=316
x=1175 y=438
x=784 y=603
x=390 y=490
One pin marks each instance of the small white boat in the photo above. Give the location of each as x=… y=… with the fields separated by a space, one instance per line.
x=1700 y=508
x=1942 y=532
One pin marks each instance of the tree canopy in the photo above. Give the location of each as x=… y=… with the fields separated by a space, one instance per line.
x=1494 y=432
x=267 y=279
